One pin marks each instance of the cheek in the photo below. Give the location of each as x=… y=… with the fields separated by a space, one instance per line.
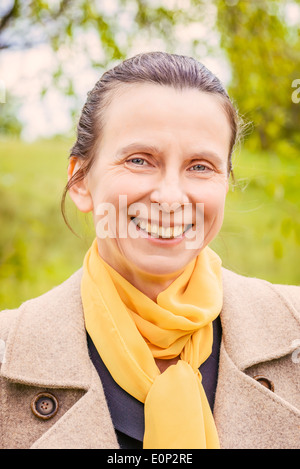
x=112 y=188
x=213 y=197
x=214 y=205
x=114 y=201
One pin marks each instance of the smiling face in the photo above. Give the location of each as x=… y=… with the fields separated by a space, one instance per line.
x=163 y=150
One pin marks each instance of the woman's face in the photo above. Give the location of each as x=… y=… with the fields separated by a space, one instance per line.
x=159 y=178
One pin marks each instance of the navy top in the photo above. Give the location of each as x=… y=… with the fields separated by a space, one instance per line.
x=127 y=413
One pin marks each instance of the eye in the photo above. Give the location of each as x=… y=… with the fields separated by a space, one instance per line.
x=138 y=161
x=199 y=167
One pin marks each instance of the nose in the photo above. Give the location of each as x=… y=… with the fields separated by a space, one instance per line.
x=169 y=192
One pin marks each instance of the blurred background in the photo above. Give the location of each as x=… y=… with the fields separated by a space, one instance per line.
x=51 y=54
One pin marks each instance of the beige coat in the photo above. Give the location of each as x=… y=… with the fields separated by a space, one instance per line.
x=45 y=350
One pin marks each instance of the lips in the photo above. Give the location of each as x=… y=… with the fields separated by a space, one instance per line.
x=157 y=231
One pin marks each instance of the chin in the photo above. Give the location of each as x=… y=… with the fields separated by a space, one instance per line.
x=162 y=266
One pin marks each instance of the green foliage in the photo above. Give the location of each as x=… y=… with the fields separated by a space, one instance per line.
x=260 y=235
x=9 y=122
x=264 y=55
x=261 y=231
x=112 y=25
x=37 y=250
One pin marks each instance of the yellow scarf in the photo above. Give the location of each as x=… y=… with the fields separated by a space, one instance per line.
x=129 y=330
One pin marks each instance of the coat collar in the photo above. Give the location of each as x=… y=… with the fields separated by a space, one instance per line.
x=259 y=323
x=47 y=344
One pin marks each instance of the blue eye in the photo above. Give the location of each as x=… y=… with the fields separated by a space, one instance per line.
x=138 y=161
x=198 y=167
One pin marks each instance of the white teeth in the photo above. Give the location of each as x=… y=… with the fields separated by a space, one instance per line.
x=155 y=230
x=167 y=233
x=177 y=231
x=142 y=224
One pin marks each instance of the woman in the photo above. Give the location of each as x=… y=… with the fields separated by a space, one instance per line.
x=152 y=344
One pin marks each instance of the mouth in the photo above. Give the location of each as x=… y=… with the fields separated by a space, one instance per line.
x=156 y=231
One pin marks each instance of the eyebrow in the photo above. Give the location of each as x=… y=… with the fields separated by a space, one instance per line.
x=145 y=148
x=208 y=154
x=137 y=146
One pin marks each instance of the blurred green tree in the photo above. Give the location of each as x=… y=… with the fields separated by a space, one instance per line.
x=113 y=24
x=262 y=42
x=9 y=122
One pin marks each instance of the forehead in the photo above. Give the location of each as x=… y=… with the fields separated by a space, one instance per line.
x=162 y=112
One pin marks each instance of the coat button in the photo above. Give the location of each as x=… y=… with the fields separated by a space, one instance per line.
x=44 y=405
x=265 y=382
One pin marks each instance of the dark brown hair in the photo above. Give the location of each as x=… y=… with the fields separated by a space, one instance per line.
x=159 y=68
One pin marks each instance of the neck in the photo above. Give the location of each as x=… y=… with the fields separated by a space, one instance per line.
x=149 y=284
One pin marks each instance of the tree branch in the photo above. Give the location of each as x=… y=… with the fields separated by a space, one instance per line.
x=6 y=18
x=62 y=7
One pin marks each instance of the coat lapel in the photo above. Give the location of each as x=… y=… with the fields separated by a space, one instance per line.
x=86 y=425
x=260 y=327
x=47 y=348
x=47 y=344
x=258 y=322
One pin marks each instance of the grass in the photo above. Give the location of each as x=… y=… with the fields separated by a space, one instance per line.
x=260 y=235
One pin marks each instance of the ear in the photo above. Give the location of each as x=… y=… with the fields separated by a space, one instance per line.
x=79 y=192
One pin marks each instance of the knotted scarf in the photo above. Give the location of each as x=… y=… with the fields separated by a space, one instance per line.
x=129 y=330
